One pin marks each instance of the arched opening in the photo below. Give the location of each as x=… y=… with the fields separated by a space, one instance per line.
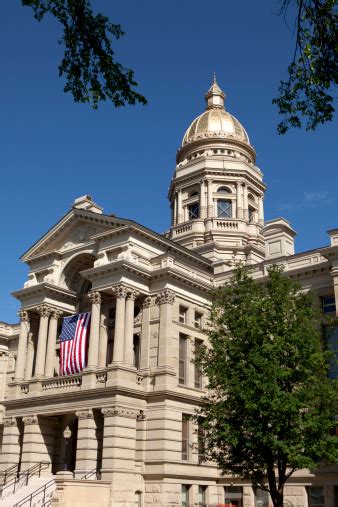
x=251 y=197
x=72 y=273
x=224 y=190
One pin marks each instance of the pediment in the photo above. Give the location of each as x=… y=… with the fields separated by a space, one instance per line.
x=74 y=229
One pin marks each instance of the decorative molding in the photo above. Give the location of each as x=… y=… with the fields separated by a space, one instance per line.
x=30 y=419
x=120 y=412
x=9 y=421
x=44 y=310
x=120 y=291
x=166 y=296
x=95 y=297
x=55 y=313
x=147 y=302
x=132 y=294
x=141 y=416
x=85 y=414
x=24 y=317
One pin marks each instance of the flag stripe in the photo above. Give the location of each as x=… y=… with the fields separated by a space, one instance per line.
x=73 y=343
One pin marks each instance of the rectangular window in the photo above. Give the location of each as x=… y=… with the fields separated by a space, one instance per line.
x=316 y=496
x=136 y=350
x=182 y=314
x=200 y=441
x=224 y=209
x=182 y=360
x=201 y=498
x=251 y=215
x=331 y=338
x=185 y=437
x=233 y=496
x=198 y=373
x=328 y=304
x=193 y=211
x=185 y=495
x=262 y=498
x=198 y=320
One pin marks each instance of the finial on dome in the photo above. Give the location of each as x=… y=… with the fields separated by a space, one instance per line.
x=215 y=96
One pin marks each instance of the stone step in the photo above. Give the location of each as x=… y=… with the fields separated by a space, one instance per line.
x=35 y=483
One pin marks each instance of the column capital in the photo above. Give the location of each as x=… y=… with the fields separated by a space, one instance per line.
x=44 y=310
x=55 y=313
x=30 y=419
x=95 y=297
x=120 y=412
x=24 y=316
x=85 y=414
x=9 y=421
x=120 y=290
x=147 y=302
x=132 y=294
x=166 y=296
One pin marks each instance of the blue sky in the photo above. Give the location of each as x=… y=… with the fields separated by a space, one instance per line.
x=52 y=150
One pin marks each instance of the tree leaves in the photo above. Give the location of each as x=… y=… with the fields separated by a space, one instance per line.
x=89 y=65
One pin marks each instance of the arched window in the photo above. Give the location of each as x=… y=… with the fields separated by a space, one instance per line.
x=224 y=209
x=224 y=190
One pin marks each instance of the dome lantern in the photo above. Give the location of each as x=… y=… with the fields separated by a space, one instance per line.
x=215 y=96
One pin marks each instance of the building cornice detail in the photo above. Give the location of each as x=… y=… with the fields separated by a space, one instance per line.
x=120 y=412
x=30 y=419
x=85 y=414
x=166 y=296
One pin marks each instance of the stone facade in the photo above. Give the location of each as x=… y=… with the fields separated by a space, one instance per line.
x=131 y=439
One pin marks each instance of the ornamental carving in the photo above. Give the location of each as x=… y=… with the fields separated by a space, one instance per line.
x=147 y=302
x=95 y=297
x=84 y=414
x=120 y=412
x=120 y=290
x=30 y=419
x=24 y=317
x=132 y=294
x=9 y=421
x=141 y=416
x=44 y=310
x=166 y=297
x=55 y=313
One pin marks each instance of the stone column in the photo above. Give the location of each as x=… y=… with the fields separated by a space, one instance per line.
x=165 y=299
x=260 y=210
x=203 y=207
x=245 y=203
x=93 y=350
x=44 y=312
x=34 y=447
x=21 y=356
x=52 y=335
x=145 y=333
x=119 y=448
x=128 y=355
x=31 y=347
x=10 y=453
x=179 y=207
x=121 y=295
x=103 y=340
x=87 y=445
x=209 y=199
x=239 y=202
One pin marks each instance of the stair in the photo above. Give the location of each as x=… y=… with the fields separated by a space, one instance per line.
x=34 y=484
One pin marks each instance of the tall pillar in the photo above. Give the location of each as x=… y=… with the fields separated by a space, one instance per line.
x=203 y=207
x=87 y=444
x=93 y=349
x=31 y=348
x=179 y=207
x=260 y=210
x=34 y=447
x=210 y=203
x=10 y=453
x=119 y=447
x=103 y=340
x=121 y=294
x=44 y=312
x=165 y=299
x=128 y=354
x=21 y=356
x=52 y=335
x=239 y=202
x=145 y=333
x=245 y=203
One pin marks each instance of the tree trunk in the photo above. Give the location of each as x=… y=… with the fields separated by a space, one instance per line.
x=276 y=493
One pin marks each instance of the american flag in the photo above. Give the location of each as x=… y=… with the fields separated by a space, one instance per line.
x=73 y=343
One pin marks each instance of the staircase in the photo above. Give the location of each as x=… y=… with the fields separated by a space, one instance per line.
x=37 y=493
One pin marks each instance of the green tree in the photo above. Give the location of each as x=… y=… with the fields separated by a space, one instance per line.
x=91 y=71
x=269 y=406
x=313 y=72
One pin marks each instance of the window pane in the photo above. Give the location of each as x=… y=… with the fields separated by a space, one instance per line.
x=185 y=437
x=233 y=496
x=201 y=496
x=136 y=350
x=198 y=320
x=185 y=495
x=328 y=304
x=224 y=209
x=193 y=210
x=331 y=337
x=201 y=441
x=251 y=215
x=262 y=498
x=316 y=497
x=198 y=374
x=182 y=314
x=182 y=359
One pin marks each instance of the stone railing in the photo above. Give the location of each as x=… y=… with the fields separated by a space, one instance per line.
x=101 y=377
x=184 y=228
x=226 y=224
x=62 y=383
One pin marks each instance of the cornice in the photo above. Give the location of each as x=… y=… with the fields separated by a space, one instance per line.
x=170 y=273
x=43 y=288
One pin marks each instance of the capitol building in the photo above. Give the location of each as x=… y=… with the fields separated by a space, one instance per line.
x=120 y=432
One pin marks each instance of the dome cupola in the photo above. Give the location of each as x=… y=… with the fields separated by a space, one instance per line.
x=216 y=130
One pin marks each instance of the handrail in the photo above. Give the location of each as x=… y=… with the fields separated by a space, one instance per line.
x=12 y=470
x=24 y=475
x=41 y=489
x=95 y=471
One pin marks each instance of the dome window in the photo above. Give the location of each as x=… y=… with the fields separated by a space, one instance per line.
x=224 y=190
x=224 y=209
